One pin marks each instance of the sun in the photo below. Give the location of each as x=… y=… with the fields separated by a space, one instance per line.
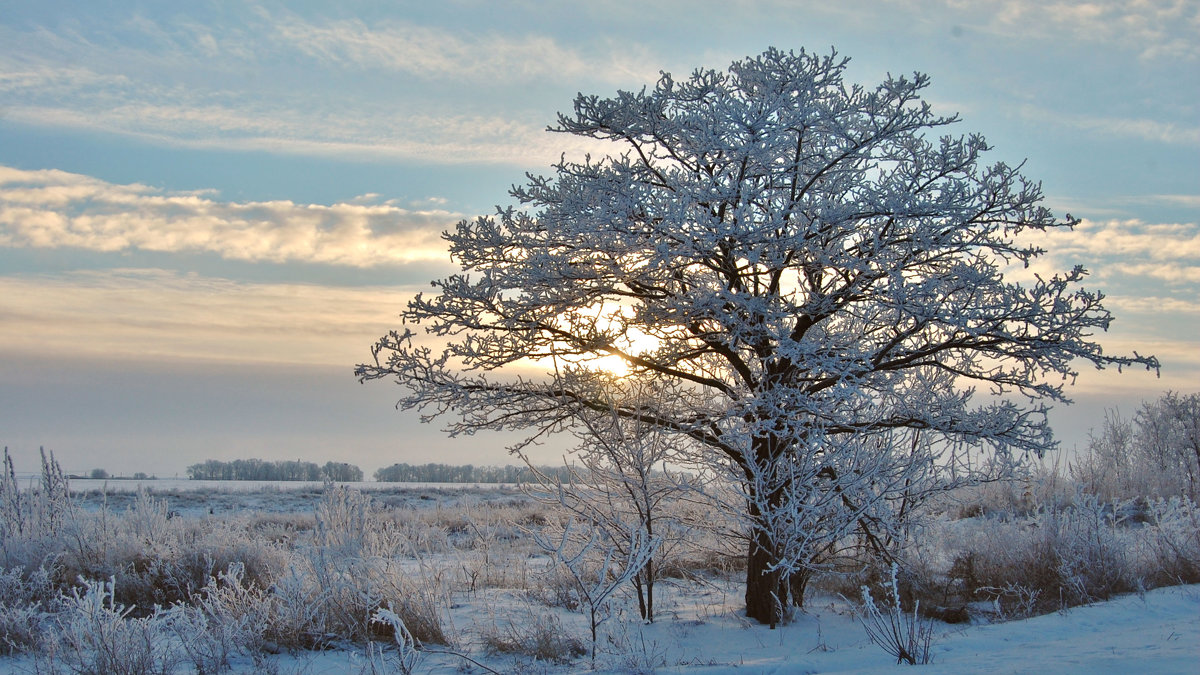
x=635 y=343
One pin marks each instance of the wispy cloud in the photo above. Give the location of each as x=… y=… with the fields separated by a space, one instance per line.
x=436 y=53
x=1148 y=268
x=302 y=131
x=1171 y=273
x=1152 y=29
x=1187 y=201
x=56 y=209
x=1131 y=242
x=183 y=84
x=1154 y=305
x=79 y=99
x=1157 y=131
x=161 y=314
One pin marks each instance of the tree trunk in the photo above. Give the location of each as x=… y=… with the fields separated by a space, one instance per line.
x=644 y=585
x=799 y=584
x=649 y=573
x=765 y=591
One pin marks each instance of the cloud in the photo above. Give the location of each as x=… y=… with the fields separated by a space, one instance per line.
x=304 y=130
x=1149 y=273
x=1156 y=30
x=1188 y=201
x=1132 y=243
x=56 y=209
x=436 y=53
x=241 y=101
x=148 y=313
x=1156 y=131
x=1170 y=273
x=1154 y=305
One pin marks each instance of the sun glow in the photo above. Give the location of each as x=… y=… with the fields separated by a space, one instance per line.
x=634 y=343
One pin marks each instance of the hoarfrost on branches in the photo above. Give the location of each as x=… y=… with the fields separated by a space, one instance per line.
x=813 y=283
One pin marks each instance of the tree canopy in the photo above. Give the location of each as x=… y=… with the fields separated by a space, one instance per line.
x=814 y=285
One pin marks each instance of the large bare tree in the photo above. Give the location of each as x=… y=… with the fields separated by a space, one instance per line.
x=814 y=283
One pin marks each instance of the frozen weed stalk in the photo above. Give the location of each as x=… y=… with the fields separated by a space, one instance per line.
x=408 y=652
x=904 y=635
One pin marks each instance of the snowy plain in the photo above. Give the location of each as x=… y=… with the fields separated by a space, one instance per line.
x=1158 y=633
x=699 y=628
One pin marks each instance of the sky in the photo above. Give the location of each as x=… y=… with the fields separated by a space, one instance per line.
x=210 y=211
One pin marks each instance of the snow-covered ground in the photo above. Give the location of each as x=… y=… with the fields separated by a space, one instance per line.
x=27 y=480
x=698 y=629
x=1158 y=633
x=196 y=497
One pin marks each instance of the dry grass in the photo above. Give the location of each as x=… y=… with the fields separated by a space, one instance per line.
x=535 y=634
x=253 y=583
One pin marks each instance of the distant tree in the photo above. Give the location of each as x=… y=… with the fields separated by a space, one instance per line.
x=1169 y=433
x=392 y=474
x=98 y=474
x=341 y=472
x=815 y=287
x=1154 y=454
x=445 y=473
x=281 y=470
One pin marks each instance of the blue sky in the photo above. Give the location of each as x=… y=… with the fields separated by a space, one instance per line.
x=209 y=211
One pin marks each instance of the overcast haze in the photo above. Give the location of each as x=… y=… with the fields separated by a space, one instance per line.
x=210 y=211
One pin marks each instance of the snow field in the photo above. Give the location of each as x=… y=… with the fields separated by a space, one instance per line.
x=250 y=590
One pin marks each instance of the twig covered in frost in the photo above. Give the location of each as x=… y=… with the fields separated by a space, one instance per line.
x=407 y=650
x=902 y=634
x=597 y=584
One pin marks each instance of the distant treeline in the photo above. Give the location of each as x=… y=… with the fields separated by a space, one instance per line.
x=257 y=469
x=446 y=473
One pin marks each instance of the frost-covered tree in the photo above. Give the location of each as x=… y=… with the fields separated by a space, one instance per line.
x=620 y=483
x=803 y=272
x=1156 y=454
x=1169 y=432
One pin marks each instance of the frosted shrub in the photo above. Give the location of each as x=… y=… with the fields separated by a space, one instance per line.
x=342 y=520
x=21 y=628
x=1170 y=545
x=210 y=547
x=618 y=481
x=227 y=618
x=37 y=513
x=1053 y=558
x=1156 y=454
x=904 y=635
x=159 y=561
x=1091 y=546
x=491 y=564
x=292 y=611
x=26 y=601
x=597 y=566
x=13 y=513
x=97 y=636
x=327 y=596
